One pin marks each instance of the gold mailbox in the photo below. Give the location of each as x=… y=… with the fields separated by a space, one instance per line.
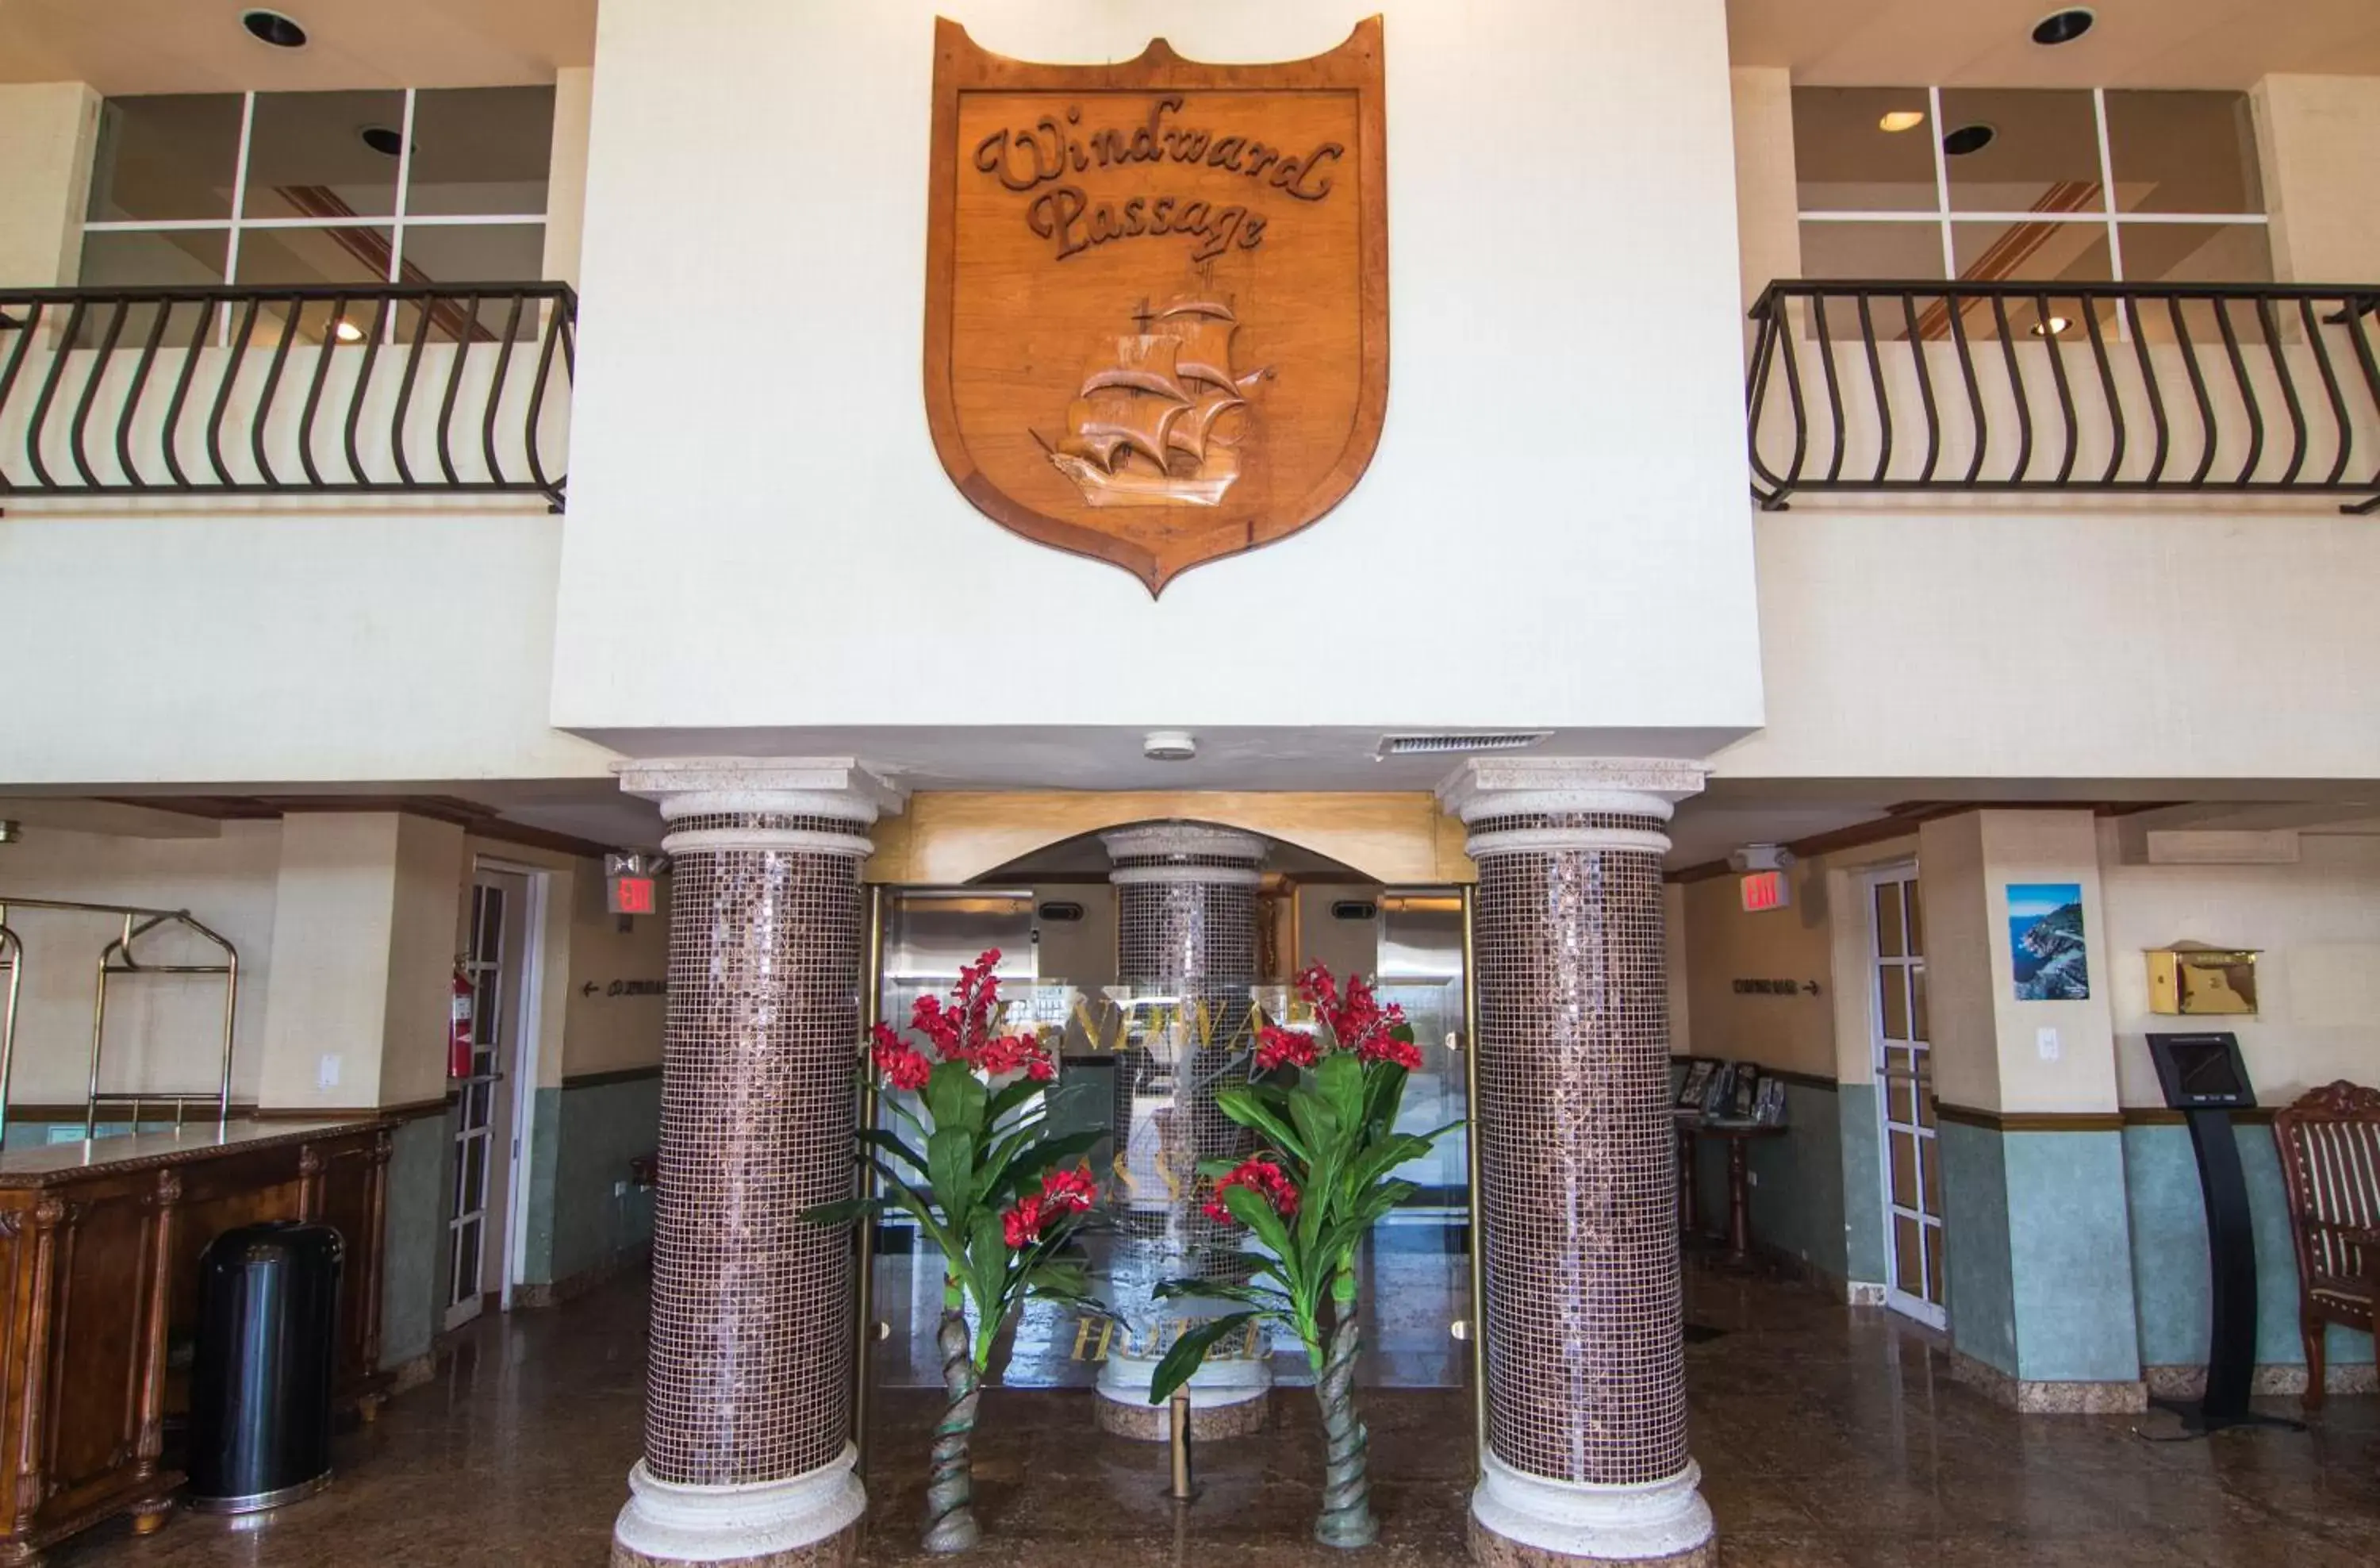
x=2192 y=977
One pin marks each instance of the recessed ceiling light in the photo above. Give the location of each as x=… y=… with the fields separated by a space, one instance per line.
x=2063 y=26
x=1901 y=119
x=273 y=28
x=2052 y=327
x=382 y=139
x=1968 y=139
x=347 y=331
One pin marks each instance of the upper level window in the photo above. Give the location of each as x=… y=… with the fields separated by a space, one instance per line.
x=444 y=186
x=1986 y=185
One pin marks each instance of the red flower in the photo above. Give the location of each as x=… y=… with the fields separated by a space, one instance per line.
x=1012 y=1054
x=903 y=1067
x=1063 y=1193
x=1064 y=1190
x=1357 y=1022
x=1277 y=1047
x=1261 y=1176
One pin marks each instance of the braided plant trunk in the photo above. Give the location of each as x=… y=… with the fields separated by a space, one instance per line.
x=1346 y=1518
x=950 y=1489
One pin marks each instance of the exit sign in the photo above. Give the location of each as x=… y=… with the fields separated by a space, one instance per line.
x=1765 y=890
x=630 y=896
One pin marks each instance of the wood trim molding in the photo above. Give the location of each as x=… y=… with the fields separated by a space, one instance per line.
x=2165 y=1116
x=617 y=1076
x=2032 y=1121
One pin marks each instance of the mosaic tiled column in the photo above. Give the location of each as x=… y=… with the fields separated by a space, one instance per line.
x=1185 y=929
x=1586 y=1456
x=748 y=1457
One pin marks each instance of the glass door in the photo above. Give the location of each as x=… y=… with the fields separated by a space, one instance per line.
x=491 y=965
x=1904 y=1071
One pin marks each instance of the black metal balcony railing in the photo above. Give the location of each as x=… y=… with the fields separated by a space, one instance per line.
x=251 y=391
x=2015 y=387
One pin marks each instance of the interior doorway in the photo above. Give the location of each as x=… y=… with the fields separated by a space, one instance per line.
x=1904 y=1075
x=501 y=939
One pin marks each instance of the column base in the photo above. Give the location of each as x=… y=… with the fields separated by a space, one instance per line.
x=1228 y=1399
x=1523 y=1521
x=806 y=1521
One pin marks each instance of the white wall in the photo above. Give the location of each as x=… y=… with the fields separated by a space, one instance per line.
x=1987 y=1045
x=2107 y=643
x=48 y=129
x=2318 y=981
x=234 y=646
x=2318 y=140
x=165 y=1031
x=1559 y=468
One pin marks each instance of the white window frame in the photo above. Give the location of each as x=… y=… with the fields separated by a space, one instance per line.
x=397 y=223
x=1944 y=215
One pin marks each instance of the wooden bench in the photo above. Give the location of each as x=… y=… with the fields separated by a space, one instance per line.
x=2329 y=1144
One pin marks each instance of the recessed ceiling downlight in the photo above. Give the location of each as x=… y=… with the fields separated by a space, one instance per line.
x=1901 y=119
x=1169 y=746
x=273 y=27
x=1968 y=139
x=383 y=140
x=2063 y=26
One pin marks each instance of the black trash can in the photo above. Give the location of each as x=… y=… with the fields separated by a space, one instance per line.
x=267 y=1355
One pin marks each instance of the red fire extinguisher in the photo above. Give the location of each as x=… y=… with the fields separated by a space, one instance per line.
x=459 y=1031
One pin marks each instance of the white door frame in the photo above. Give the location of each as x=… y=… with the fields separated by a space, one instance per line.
x=530 y=1012
x=1936 y=1313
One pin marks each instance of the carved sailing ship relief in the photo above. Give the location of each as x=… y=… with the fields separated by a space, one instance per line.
x=1157 y=294
x=1149 y=426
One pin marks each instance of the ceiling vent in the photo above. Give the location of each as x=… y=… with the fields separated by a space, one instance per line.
x=1443 y=745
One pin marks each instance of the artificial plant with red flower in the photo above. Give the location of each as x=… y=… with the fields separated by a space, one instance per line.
x=978 y=1165
x=1326 y=1106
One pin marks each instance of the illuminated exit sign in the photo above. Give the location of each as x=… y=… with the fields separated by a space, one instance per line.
x=1765 y=890
x=631 y=895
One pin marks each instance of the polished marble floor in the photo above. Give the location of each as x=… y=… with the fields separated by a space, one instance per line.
x=1826 y=1436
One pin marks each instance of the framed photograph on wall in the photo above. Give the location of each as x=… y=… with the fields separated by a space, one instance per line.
x=2048 y=959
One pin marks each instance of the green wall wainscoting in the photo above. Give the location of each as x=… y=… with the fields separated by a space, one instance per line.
x=2169 y=1264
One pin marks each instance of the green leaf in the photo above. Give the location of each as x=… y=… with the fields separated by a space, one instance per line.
x=907 y=1197
x=1381 y=1158
x=1246 y=1105
x=876 y=1137
x=950 y=1161
x=1253 y=1211
x=1384 y=1095
x=842 y=1212
x=1260 y=1298
x=956 y=1097
x=1057 y=1276
x=1189 y=1352
x=989 y=1269
x=1339 y=1081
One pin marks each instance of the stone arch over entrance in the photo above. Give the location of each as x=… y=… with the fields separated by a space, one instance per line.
x=952 y=837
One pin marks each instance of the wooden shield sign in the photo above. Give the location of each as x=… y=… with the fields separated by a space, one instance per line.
x=1157 y=325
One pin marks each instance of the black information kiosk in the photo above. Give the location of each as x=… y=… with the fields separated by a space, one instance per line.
x=2205 y=1079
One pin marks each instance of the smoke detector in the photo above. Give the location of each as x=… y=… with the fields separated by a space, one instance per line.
x=1169 y=746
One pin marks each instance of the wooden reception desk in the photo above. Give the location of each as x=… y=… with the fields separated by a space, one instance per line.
x=100 y=1243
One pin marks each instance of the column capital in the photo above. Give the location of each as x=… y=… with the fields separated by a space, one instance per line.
x=1511 y=786
x=1183 y=852
x=825 y=790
